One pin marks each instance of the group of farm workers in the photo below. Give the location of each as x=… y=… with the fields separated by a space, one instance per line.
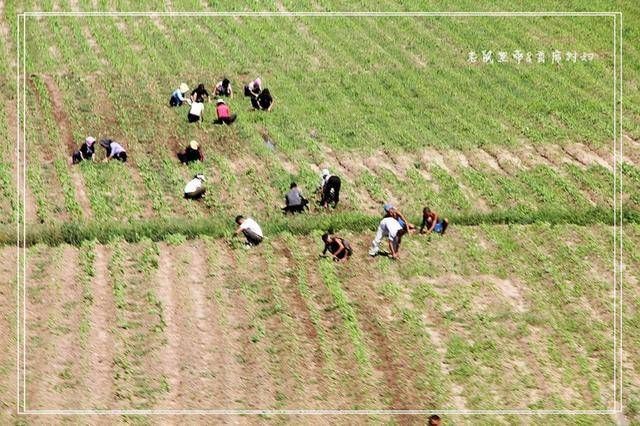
x=260 y=98
x=393 y=225
x=113 y=151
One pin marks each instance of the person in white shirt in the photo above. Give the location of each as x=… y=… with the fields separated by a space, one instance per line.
x=390 y=228
x=114 y=151
x=195 y=112
x=251 y=230
x=195 y=189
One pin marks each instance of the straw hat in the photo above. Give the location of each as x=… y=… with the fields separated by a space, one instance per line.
x=193 y=145
x=184 y=88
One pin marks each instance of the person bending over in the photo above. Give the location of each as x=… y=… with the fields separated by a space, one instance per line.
x=194 y=190
x=250 y=229
x=114 y=150
x=330 y=189
x=295 y=201
x=224 y=113
x=339 y=248
x=191 y=153
x=390 y=228
x=86 y=151
x=432 y=223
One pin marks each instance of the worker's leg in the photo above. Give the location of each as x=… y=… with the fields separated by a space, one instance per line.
x=375 y=245
x=252 y=238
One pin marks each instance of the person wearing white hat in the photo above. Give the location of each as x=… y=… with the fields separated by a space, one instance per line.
x=191 y=153
x=195 y=189
x=329 y=189
x=85 y=152
x=178 y=97
x=224 y=113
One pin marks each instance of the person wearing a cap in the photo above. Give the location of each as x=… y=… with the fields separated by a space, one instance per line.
x=191 y=153
x=86 y=151
x=195 y=112
x=195 y=189
x=224 y=113
x=200 y=94
x=250 y=229
x=254 y=88
x=178 y=97
x=329 y=189
x=114 y=150
x=223 y=88
x=390 y=228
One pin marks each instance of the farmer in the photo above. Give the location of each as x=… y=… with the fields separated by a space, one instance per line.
x=251 y=230
x=264 y=101
x=195 y=112
x=194 y=189
x=391 y=211
x=223 y=88
x=191 y=153
x=435 y=420
x=178 y=97
x=224 y=113
x=85 y=152
x=390 y=228
x=114 y=150
x=295 y=201
x=432 y=222
x=199 y=94
x=329 y=189
x=254 y=88
x=339 y=248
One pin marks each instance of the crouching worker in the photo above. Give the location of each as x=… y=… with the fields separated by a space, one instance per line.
x=85 y=152
x=329 y=189
x=339 y=248
x=432 y=223
x=390 y=228
x=224 y=113
x=191 y=153
x=178 y=97
x=296 y=203
x=114 y=150
x=250 y=229
x=194 y=190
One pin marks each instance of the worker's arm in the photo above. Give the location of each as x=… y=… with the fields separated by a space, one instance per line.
x=433 y=223
x=271 y=106
x=239 y=230
x=230 y=91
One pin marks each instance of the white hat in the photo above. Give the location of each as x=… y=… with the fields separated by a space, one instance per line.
x=193 y=145
x=90 y=140
x=220 y=101
x=200 y=176
x=183 y=88
x=325 y=172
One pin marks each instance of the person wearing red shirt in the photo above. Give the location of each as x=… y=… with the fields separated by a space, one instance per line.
x=224 y=113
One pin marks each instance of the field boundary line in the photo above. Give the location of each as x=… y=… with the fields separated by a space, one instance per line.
x=617 y=227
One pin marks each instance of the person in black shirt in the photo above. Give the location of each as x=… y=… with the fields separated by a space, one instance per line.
x=199 y=94
x=263 y=101
x=191 y=153
x=339 y=248
x=85 y=152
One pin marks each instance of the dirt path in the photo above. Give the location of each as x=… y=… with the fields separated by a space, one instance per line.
x=53 y=314
x=7 y=333
x=65 y=132
x=101 y=339
x=203 y=363
x=169 y=353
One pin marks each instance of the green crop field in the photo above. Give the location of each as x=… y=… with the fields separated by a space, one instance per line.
x=137 y=299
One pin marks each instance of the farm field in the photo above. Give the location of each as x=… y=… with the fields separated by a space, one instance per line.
x=139 y=299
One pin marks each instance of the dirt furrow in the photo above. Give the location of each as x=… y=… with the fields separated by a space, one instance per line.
x=200 y=325
x=54 y=374
x=170 y=352
x=7 y=332
x=65 y=132
x=101 y=342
